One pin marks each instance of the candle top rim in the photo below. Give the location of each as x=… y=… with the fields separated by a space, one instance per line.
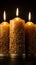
x=29 y=23
x=4 y=23
x=17 y=19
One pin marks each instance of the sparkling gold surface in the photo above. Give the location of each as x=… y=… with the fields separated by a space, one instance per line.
x=30 y=31
x=17 y=36
x=4 y=38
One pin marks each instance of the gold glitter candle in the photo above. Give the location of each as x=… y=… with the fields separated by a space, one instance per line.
x=0 y=38
x=4 y=37
x=17 y=36
x=30 y=30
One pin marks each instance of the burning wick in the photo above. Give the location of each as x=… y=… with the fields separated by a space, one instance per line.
x=29 y=16
x=4 y=16
x=17 y=12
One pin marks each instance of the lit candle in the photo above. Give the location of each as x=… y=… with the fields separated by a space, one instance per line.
x=17 y=35
x=30 y=36
x=4 y=36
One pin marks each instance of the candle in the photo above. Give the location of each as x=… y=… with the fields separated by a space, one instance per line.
x=30 y=36
x=4 y=36
x=0 y=40
x=17 y=35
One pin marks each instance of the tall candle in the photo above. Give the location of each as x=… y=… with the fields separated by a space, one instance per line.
x=30 y=36
x=17 y=35
x=4 y=36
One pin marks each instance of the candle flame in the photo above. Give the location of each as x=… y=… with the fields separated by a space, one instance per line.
x=29 y=17
x=4 y=16
x=17 y=12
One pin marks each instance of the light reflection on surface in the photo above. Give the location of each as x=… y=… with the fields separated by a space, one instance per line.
x=17 y=61
x=16 y=55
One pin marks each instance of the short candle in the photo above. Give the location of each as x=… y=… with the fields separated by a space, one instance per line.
x=30 y=33
x=4 y=36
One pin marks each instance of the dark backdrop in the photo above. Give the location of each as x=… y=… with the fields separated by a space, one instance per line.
x=24 y=7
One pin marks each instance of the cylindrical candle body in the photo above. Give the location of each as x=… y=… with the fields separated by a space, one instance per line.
x=17 y=36
x=30 y=33
x=0 y=38
x=4 y=38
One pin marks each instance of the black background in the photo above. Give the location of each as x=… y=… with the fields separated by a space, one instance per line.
x=24 y=7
